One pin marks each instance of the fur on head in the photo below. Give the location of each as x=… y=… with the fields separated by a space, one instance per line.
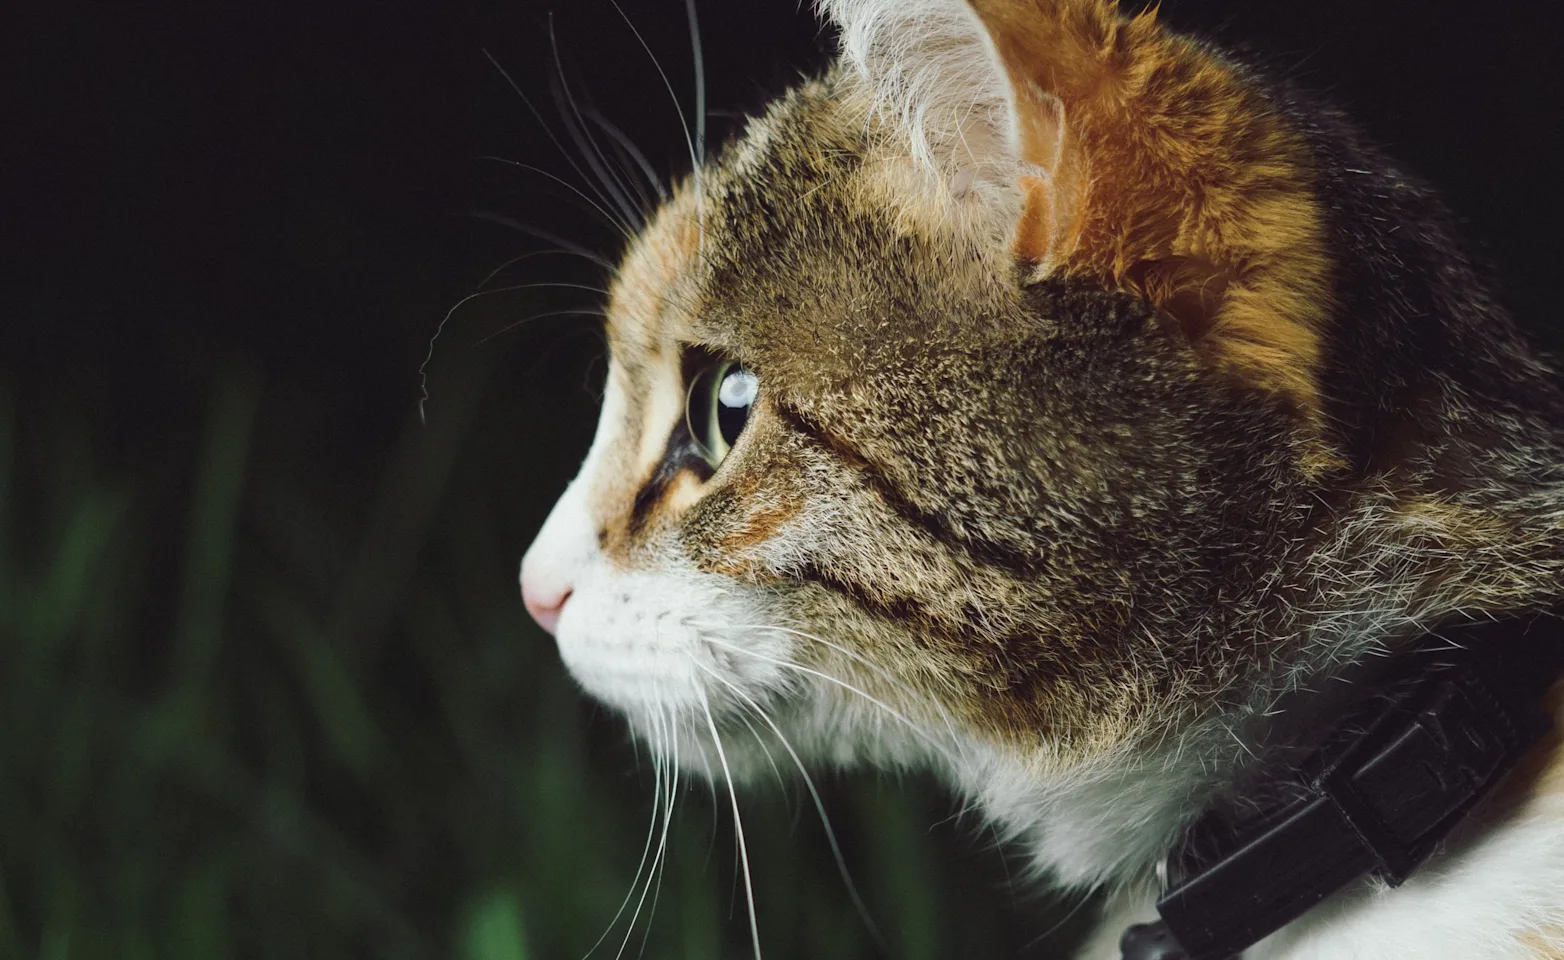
x=1057 y=457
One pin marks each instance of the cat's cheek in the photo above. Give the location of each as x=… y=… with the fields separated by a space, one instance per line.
x=666 y=647
x=623 y=650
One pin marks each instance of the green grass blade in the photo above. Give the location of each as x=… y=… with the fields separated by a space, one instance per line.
x=494 y=928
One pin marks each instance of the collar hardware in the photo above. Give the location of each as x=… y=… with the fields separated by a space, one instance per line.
x=1386 y=788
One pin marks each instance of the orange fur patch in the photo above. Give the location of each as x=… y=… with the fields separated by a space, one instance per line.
x=638 y=301
x=1170 y=177
x=1539 y=948
x=763 y=516
x=646 y=323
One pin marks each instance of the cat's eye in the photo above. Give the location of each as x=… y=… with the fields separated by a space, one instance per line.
x=720 y=399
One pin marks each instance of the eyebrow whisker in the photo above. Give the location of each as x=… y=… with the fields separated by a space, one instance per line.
x=544 y=235
x=547 y=130
x=590 y=151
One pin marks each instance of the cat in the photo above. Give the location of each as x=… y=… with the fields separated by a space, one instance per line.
x=1051 y=400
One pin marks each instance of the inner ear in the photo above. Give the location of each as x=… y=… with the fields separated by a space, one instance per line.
x=1152 y=165
x=1051 y=195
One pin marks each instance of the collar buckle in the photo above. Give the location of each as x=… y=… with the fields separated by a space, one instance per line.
x=1423 y=765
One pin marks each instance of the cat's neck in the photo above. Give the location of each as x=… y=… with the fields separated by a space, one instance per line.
x=1394 y=567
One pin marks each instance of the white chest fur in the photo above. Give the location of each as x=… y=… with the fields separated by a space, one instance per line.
x=1495 y=892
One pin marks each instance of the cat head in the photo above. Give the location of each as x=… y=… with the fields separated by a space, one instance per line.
x=970 y=396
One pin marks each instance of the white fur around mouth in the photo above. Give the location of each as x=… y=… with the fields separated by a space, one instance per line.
x=650 y=642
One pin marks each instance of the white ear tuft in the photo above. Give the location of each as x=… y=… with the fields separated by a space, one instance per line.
x=933 y=72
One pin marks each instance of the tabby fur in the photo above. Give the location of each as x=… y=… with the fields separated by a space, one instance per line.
x=1116 y=401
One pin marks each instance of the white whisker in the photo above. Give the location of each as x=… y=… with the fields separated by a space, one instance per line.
x=635 y=152
x=545 y=235
x=700 y=115
x=538 y=116
x=576 y=312
x=660 y=865
x=659 y=729
x=626 y=167
x=689 y=141
x=776 y=771
x=738 y=825
x=814 y=794
x=892 y=711
x=590 y=152
x=860 y=658
x=624 y=229
x=423 y=368
x=646 y=851
x=517 y=259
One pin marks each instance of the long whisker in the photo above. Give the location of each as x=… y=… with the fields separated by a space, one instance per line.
x=602 y=211
x=578 y=133
x=738 y=826
x=635 y=152
x=700 y=117
x=661 y=864
x=860 y=658
x=892 y=711
x=660 y=730
x=792 y=632
x=489 y=277
x=625 y=167
x=538 y=116
x=776 y=771
x=646 y=852
x=689 y=141
x=423 y=368
x=814 y=794
x=545 y=235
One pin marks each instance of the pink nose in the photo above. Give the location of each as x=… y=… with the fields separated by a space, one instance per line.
x=544 y=595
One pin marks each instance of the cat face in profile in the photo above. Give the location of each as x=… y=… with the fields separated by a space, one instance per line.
x=919 y=400
x=1035 y=392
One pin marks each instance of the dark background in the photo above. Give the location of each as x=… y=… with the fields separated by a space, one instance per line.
x=266 y=687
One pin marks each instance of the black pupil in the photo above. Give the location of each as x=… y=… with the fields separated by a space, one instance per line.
x=731 y=420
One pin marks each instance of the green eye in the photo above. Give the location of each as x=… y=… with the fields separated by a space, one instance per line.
x=719 y=402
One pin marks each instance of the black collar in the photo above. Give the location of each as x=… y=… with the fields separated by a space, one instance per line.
x=1390 y=783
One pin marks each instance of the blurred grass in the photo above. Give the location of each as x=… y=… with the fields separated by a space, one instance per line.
x=249 y=711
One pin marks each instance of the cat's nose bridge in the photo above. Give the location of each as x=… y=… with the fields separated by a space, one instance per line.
x=562 y=550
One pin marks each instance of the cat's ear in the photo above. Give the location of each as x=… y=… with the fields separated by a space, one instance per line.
x=1144 y=162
